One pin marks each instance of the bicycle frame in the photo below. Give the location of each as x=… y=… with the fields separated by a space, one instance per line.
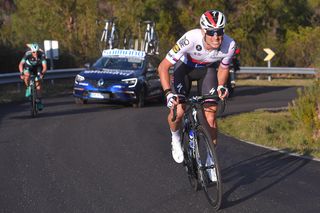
x=150 y=39
x=111 y=38
x=104 y=36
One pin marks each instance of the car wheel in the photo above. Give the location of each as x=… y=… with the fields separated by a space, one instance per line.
x=140 y=100
x=80 y=101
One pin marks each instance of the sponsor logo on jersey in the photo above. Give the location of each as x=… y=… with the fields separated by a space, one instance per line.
x=184 y=42
x=179 y=87
x=212 y=91
x=198 y=47
x=176 y=48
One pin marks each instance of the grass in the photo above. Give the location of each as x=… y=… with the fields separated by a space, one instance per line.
x=272 y=129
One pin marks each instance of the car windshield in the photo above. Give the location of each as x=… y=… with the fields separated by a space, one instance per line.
x=119 y=63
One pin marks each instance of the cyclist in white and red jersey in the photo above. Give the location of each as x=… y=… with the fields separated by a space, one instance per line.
x=206 y=47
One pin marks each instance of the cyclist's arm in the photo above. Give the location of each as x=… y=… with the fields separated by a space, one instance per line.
x=223 y=70
x=164 y=75
x=223 y=73
x=182 y=46
x=44 y=64
x=21 y=66
x=44 y=67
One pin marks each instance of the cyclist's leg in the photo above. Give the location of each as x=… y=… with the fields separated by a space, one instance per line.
x=209 y=85
x=179 y=73
x=180 y=87
x=26 y=75
x=26 y=79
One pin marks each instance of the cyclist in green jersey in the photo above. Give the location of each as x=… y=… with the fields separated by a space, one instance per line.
x=33 y=61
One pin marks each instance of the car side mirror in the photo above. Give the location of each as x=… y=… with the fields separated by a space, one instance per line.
x=87 y=65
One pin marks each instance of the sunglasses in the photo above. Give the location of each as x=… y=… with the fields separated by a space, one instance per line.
x=218 y=32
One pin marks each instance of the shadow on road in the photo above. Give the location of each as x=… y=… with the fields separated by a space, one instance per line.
x=257 y=174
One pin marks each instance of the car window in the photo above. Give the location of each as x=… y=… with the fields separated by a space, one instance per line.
x=153 y=63
x=119 y=63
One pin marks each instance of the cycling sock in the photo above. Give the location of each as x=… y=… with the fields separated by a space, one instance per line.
x=175 y=136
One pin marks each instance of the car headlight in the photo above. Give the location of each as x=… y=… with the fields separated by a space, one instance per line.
x=132 y=82
x=79 y=78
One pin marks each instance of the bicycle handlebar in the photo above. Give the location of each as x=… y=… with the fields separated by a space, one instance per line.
x=197 y=99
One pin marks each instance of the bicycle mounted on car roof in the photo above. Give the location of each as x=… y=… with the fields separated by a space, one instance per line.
x=151 y=39
x=110 y=35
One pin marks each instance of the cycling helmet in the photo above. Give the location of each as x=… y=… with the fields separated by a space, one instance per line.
x=212 y=20
x=34 y=47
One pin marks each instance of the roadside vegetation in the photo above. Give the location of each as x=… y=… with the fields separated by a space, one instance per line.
x=286 y=27
x=294 y=130
x=275 y=82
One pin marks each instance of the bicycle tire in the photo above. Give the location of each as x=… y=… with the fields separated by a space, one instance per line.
x=34 y=110
x=127 y=39
x=212 y=190
x=190 y=163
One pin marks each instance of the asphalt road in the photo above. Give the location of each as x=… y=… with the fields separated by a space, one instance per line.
x=110 y=158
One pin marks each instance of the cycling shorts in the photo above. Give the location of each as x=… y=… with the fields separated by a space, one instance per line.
x=34 y=70
x=182 y=81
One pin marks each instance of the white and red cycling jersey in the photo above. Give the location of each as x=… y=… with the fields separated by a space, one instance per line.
x=190 y=50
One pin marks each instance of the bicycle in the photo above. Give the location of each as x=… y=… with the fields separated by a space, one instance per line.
x=33 y=95
x=110 y=35
x=199 y=151
x=151 y=42
x=127 y=39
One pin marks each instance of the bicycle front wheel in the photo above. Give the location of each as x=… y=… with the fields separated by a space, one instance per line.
x=190 y=163
x=34 y=110
x=208 y=166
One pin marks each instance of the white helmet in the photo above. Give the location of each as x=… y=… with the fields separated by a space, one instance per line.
x=212 y=20
x=34 y=47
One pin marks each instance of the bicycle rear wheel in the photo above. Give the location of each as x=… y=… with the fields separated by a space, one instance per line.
x=206 y=154
x=190 y=163
x=127 y=39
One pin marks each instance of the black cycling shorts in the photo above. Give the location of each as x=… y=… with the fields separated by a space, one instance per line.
x=182 y=77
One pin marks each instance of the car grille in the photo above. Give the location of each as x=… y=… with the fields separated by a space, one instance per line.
x=105 y=84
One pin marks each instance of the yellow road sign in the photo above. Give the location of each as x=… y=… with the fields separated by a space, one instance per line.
x=270 y=54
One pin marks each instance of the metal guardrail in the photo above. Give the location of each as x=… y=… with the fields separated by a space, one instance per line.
x=68 y=73
x=277 y=70
x=50 y=74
